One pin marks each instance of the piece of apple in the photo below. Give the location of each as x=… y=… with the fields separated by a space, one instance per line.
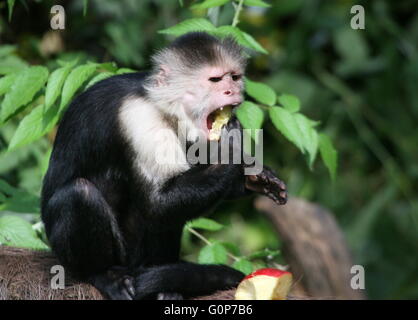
x=265 y=284
x=222 y=117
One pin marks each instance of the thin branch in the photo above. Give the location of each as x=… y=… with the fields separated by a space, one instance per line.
x=197 y=234
x=237 y=13
x=201 y=237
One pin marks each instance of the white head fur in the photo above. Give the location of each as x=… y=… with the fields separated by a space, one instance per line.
x=179 y=84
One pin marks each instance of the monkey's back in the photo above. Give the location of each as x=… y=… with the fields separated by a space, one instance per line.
x=89 y=141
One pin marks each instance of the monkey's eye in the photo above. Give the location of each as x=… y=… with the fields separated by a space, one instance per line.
x=215 y=79
x=236 y=77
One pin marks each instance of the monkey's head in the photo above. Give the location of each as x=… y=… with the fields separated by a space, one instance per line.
x=195 y=76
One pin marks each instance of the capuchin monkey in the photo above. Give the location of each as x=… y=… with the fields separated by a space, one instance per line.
x=113 y=212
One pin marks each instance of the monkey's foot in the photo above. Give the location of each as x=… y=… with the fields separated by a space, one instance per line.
x=115 y=288
x=169 y=296
x=268 y=184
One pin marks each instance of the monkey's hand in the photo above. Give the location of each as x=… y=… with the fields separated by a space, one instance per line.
x=265 y=182
x=233 y=123
x=268 y=184
x=235 y=141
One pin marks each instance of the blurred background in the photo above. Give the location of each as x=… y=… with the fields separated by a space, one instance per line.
x=361 y=85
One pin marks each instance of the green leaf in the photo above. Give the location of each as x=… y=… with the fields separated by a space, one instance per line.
x=243 y=265
x=214 y=253
x=27 y=83
x=285 y=122
x=298 y=129
x=55 y=83
x=44 y=163
x=10 y=4
x=67 y=62
x=256 y=3
x=232 y=248
x=209 y=4
x=6 y=188
x=17 y=200
x=251 y=43
x=6 y=50
x=35 y=125
x=108 y=66
x=101 y=76
x=125 y=70
x=289 y=102
x=11 y=64
x=260 y=92
x=240 y=37
x=17 y=232
x=195 y=24
x=74 y=81
x=328 y=154
x=22 y=202
x=309 y=136
x=251 y=116
x=205 y=224
x=6 y=83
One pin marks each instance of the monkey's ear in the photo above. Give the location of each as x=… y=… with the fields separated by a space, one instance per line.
x=162 y=75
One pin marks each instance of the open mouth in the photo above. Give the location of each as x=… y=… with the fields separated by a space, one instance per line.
x=217 y=119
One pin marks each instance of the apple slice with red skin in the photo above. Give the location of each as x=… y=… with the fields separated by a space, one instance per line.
x=265 y=284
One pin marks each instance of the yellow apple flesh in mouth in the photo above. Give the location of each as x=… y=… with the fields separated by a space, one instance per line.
x=222 y=117
x=265 y=284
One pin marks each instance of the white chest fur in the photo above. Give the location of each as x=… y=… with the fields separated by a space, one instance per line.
x=158 y=152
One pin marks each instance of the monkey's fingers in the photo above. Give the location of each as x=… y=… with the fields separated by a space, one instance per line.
x=119 y=289
x=129 y=287
x=268 y=184
x=280 y=198
x=233 y=123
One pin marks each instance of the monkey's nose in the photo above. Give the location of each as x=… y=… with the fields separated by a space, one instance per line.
x=228 y=92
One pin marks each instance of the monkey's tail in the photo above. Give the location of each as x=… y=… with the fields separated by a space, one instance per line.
x=186 y=278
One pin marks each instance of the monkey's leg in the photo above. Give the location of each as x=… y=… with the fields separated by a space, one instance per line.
x=84 y=234
x=184 y=279
x=268 y=184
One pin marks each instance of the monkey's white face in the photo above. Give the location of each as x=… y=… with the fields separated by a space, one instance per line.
x=216 y=87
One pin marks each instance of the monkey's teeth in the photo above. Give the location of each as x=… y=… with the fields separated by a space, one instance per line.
x=222 y=108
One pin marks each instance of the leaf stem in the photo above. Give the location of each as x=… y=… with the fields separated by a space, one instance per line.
x=197 y=234
x=238 y=9
x=201 y=237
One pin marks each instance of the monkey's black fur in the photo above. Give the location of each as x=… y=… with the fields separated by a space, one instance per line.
x=99 y=218
x=199 y=48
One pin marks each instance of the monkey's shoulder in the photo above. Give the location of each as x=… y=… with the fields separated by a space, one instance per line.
x=100 y=103
x=110 y=91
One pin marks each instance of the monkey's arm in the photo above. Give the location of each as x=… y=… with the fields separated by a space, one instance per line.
x=195 y=191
